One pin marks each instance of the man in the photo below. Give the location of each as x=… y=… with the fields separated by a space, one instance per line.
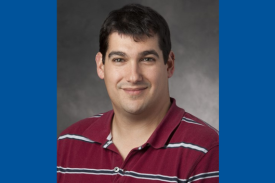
x=146 y=137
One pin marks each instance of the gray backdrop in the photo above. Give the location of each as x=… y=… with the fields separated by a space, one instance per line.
x=194 y=26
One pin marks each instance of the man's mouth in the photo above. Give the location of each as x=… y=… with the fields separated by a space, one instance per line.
x=134 y=91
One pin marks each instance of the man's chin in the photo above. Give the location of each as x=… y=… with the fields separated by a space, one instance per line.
x=134 y=109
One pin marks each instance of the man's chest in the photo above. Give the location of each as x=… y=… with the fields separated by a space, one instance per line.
x=94 y=163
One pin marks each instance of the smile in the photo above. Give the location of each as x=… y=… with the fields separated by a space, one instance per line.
x=134 y=91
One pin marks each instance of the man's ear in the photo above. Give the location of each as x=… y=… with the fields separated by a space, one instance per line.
x=99 y=65
x=170 y=64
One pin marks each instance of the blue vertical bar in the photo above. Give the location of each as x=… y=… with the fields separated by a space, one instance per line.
x=28 y=91
x=247 y=91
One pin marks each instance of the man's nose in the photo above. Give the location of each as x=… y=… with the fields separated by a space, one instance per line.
x=134 y=73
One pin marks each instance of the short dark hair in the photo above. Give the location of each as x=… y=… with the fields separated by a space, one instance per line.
x=136 y=20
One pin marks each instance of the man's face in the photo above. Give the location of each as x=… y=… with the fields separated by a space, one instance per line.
x=135 y=75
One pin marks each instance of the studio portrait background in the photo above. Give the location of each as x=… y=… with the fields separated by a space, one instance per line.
x=194 y=26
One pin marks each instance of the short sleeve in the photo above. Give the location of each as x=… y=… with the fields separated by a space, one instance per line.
x=207 y=169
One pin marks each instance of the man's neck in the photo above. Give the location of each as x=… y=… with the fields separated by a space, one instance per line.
x=130 y=131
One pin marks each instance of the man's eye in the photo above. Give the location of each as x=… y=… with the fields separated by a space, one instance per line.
x=118 y=60
x=148 y=59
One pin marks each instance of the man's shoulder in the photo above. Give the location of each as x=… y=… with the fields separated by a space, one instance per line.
x=80 y=126
x=193 y=130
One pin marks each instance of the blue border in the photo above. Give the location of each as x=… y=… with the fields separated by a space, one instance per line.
x=28 y=91
x=247 y=92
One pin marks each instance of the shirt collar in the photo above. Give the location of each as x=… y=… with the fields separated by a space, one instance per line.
x=99 y=130
x=169 y=123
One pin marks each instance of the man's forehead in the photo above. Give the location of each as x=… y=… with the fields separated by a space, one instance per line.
x=118 y=42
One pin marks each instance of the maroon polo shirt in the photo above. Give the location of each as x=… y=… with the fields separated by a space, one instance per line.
x=182 y=149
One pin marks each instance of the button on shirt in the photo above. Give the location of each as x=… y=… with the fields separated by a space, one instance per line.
x=183 y=149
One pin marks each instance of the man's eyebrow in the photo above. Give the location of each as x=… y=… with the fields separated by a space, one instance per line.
x=149 y=52
x=119 y=53
x=144 y=53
